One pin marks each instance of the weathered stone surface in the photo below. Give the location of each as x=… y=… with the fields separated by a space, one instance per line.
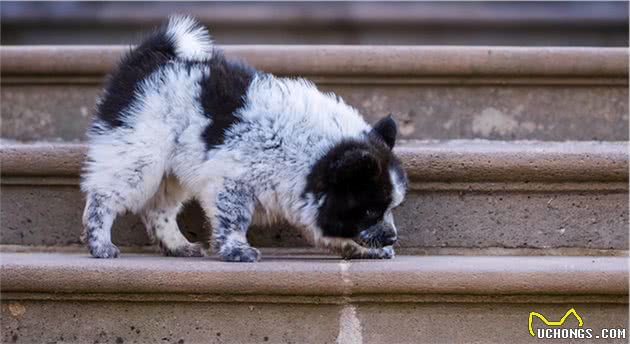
x=506 y=112
x=170 y=322
x=48 y=93
x=597 y=219
x=515 y=219
x=47 y=112
x=481 y=323
x=186 y=322
x=63 y=112
x=463 y=195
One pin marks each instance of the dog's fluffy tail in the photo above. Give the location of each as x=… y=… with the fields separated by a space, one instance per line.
x=182 y=37
x=191 y=40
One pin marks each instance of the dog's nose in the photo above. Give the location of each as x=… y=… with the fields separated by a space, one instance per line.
x=390 y=241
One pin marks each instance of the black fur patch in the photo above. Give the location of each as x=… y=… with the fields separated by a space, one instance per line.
x=222 y=94
x=354 y=179
x=387 y=130
x=155 y=50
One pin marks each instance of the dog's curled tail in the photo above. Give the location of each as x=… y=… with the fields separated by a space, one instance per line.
x=182 y=37
x=190 y=39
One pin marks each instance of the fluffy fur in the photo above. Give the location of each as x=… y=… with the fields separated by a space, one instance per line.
x=178 y=121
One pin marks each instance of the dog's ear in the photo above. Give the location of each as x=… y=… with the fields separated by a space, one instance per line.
x=353 y=165
x=387 y=130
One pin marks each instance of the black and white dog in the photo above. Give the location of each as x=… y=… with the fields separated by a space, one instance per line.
x=178 y=121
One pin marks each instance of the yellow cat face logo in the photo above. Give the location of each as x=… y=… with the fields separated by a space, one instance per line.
x=553 y=323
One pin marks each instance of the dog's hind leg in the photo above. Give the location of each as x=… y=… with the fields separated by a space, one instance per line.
x=117 y=178
x=100 y=211
x=160 y=218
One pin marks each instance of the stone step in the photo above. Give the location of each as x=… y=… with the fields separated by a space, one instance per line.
x=465 y=195
x=435 y=92
x=136 y=298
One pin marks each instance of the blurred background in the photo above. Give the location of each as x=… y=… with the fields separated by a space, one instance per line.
x=597 y=23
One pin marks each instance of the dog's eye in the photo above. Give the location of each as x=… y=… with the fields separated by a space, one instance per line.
x=371 y=213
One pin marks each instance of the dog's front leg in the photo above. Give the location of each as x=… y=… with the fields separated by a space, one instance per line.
x=230 y=214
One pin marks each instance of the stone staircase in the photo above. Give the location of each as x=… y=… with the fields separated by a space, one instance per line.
x=518 y=162
x=465 y=196
x=435 y=93
x=291 y=299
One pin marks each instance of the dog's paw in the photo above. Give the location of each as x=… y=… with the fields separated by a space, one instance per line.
x=107 y=250
x=190 y=250
x=386 y=252
x=241 y=253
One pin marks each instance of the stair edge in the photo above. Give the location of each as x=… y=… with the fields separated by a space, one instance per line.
x=466 y=161
x=405 y=275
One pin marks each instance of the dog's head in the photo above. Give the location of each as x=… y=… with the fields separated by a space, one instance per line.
x=356 y=184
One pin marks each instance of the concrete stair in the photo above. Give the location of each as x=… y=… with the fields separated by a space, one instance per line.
x=542 y=197
x=454 y=299
x=518 y=162
x=499 y=93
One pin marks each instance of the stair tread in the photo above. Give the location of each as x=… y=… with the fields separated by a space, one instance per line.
x=434 y=92
x=346 y=60
x=429 y=160
x=317 y=275
x=464 y=194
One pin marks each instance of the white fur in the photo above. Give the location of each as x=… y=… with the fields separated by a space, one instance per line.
x=399 y=189
x=192 y=41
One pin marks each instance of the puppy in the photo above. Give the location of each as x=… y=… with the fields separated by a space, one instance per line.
x=177 y=120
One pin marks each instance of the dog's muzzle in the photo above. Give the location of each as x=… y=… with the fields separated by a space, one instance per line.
x=379 y=235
